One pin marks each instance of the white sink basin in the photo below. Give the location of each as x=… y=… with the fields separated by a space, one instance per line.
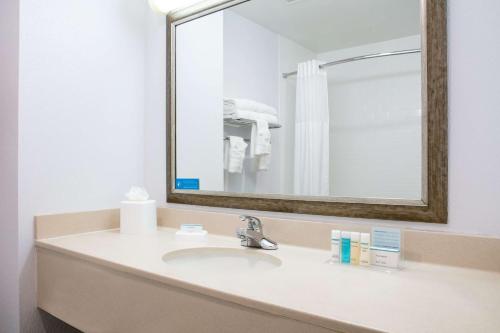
x=224 y=258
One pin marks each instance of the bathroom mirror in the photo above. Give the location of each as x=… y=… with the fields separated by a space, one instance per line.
x=329 y=107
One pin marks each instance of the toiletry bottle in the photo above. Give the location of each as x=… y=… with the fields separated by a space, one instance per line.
x=355 y=248
x=364 y=247
x=346 y=247
x=335 y=241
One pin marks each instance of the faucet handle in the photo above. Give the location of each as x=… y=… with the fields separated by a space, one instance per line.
x=253 y=223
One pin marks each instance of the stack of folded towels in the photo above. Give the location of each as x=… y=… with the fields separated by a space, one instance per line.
x=262 y=116
x=238 y=108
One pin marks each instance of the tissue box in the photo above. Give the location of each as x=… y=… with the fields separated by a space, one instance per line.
x=138 y=217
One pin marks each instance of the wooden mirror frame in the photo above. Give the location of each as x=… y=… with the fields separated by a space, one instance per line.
x=432 y=208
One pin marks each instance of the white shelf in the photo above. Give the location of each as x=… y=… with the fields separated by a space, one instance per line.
x=239 y=122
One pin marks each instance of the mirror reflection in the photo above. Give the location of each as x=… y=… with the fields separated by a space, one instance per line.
x=301 y=98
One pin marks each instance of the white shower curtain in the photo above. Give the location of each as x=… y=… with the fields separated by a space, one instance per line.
x=311 y=169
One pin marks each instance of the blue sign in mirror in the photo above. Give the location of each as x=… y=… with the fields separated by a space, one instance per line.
x=187 y=184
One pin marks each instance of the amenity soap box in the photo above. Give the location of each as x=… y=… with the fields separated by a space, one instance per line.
x=385 y=257
x=138 y=214
x=191 y=232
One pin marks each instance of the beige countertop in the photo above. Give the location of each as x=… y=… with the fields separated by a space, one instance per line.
x=419 y=298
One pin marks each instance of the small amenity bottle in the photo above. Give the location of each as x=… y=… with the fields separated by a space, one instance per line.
x=364 y=255
x=355 y=248
x=335 y=241
x=346 y=247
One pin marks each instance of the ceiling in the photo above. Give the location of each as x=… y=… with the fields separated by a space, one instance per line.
x=325 y=25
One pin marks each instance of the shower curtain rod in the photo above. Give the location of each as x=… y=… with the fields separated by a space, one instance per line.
x=363 y=57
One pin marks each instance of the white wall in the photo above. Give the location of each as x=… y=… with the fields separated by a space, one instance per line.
x=250 y=60
x=199 y=94
x=376 y=141
x=9 y=283
x=251 y=71
x=474 y=117
x=474 y=138
x=155 y=159
x=82 y=67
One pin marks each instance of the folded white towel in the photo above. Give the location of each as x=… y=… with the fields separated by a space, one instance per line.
x=234 y=154
x=250 y=115
x=231 y=104
x=262 y=141
x=263 y=161
x=260 y=145
x=226 y=154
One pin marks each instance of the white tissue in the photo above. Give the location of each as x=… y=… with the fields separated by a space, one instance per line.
x=137 y=193
x=137 y=213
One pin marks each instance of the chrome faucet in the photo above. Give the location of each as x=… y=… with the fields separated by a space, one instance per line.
x=253 y=234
